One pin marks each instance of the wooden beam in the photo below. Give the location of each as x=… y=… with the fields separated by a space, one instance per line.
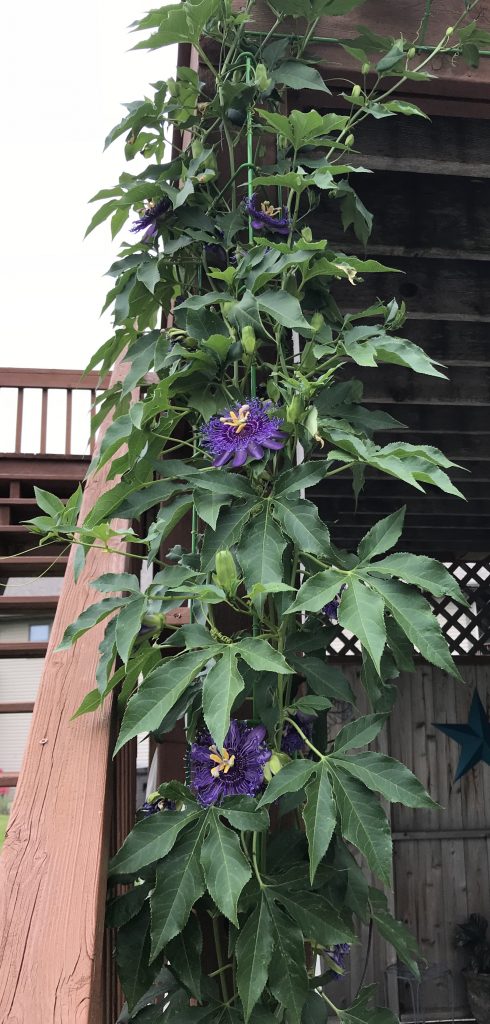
x=467 y=385
x=19 y=604
x=18 y=377
x=9 y=779
x=43 y=470
x=24 y=650
x=53 y=864
x=16 y=708
x=33 y=565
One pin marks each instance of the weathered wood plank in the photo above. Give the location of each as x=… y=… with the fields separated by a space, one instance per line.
x=53 y=863
x=424 y=214
x=434 y=289
x=455 y=146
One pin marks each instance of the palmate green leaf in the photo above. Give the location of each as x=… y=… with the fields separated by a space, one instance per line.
x=415 y=617
x=394 y=931
x=382 y=536
x=300 y=521
x=283 y=309
x=123 y=908
x=160 y=691
x=242 y=812
x=208 y=506
x=177 y=23
x=229 y=528
x=151 y=839
x=226 y=870
x=363 y=823
x=358 y=733
x=167 y=519
x=220 y=482
x=220 y=689
x=288 y=980
x=253 y=953
x=361 y=1013
x=110 y=582
x=297 y=75
x=290 y=779
x=133 y=505
x=184 y=956
x=90 y=617
x=128 y=624
x=324 y=679
x=307 y=474
x=320 y=920
x=179 y=884
x=317 y=591
x=421 y=571
x=260 y=552
x=261 y=656
x=319 y=815
x=384 y=775
x=132 y=957
x=362 y=612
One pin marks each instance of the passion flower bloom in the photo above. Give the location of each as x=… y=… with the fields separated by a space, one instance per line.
x=148 y=219
x=331 y=609
x=242 y=433
x=156 y=803
x=266 y=216
x=291 y=741
x=235 y=770
x=338 y=954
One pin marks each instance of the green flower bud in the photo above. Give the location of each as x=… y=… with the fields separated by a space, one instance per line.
x=317 y=321
x=294 y=409
x=262 y=79
x=273 y=391
x=349 y=140
x=365 y=68
x=449 y=31
x=226 y=574
x=356 y=91
x=154 y=619
x=411 y=53
x=228 y=308
x=197 y=148
x=275 y=764
x=249 y=341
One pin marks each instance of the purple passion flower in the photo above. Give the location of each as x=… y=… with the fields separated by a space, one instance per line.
x=235 y=770
x=148 y=219
x=242 y=433
x=156 y=803
x=331 y=609
x=216 y=256
x=265 y=216
x=338 y=954
x=291 y=741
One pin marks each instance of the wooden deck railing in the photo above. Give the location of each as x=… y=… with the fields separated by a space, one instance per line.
x=54 y=860
x=68 y=381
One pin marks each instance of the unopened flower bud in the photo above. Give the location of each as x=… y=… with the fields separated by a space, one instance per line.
x=317 y=321
x=356 y=91
x=365 y=68
x=226 y=574
x=262 y=79
x=411 y=53
x=294 y=409
x=349 y=140
x=249 y=341
x=449 y=31
x=154 y=620
x=197 y=148
x=274 y=765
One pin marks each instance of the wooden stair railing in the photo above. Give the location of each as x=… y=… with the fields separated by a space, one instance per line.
x=54 y=861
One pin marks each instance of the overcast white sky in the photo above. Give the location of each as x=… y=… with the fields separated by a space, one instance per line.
x=65 y=70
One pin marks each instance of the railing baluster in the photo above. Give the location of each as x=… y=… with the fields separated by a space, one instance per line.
x=93 y=396
x=44 y=420
x=18 y=425
x=69 y=406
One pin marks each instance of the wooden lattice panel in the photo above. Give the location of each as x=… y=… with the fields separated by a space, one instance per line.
x=467 y=630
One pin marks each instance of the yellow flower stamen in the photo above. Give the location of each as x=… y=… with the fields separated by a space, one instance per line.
x=223 y=761
x=238 y=421
x=270 y=210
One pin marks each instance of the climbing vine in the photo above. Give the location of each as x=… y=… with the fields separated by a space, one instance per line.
x=236 y=394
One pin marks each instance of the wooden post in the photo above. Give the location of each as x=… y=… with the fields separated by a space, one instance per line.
x=53 y=865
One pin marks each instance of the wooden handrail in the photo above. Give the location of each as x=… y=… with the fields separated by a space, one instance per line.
x=54 y=859
x=23 y=381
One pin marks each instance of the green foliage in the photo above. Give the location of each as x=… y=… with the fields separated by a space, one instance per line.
x=254 y=303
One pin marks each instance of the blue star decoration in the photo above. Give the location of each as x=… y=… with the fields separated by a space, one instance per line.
x=474 y=738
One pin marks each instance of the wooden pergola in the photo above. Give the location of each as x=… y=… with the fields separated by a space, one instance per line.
x=431 y=208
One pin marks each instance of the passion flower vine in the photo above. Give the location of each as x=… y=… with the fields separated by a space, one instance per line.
x=266 y=217
x=243 y=432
